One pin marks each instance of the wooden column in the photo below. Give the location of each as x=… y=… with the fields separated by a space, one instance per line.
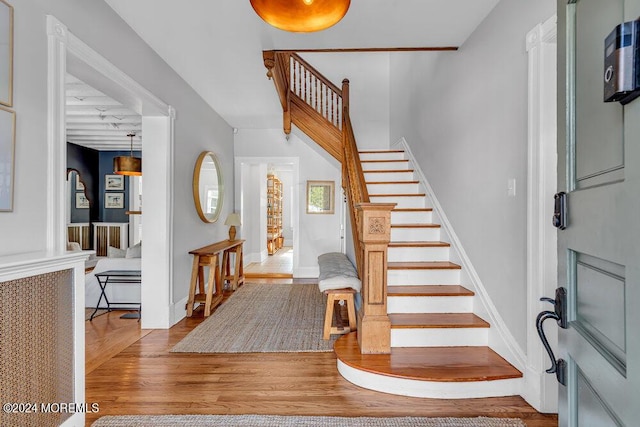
x=374 y=326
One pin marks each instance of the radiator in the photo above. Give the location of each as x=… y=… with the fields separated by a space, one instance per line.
x=37 y=347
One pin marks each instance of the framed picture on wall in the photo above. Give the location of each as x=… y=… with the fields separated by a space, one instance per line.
x=320 y=195
x=6 y=53
x=7 y=149
x=79 y=184
x=114 y=200
x=113 y=182
x=81 y=201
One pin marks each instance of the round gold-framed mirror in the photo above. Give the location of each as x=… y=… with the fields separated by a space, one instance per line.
x=208 y=187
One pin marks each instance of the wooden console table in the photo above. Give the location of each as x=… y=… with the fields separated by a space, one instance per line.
x=209 y=256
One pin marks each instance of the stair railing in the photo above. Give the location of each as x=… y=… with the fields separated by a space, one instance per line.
x=371 y=222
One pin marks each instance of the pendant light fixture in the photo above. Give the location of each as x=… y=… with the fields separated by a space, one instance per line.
x=128 y=165
x=301 y=16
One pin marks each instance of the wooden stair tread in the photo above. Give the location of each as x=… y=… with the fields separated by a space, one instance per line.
x=423 y=265
x=391 y=182
x=412 y=210
x=384 y=161
x=388 y=171
x=379 y=151
x=424 y=244
x=423 y=225
x=428 y=290
x=440 y=364
x=398 y=195
x=436 y=320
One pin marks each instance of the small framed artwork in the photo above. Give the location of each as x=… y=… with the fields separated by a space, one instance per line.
x=81 y=201
x=79 y=184
x=7 y=150
x=320 y=197
x=113 y=182
x=114 y=200
x=6 y=53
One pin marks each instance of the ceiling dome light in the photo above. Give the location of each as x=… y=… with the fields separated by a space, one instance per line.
x=301 y=16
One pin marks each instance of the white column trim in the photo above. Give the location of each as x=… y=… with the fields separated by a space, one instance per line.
x=67 y=51
x=540 y=388
x=57 y=37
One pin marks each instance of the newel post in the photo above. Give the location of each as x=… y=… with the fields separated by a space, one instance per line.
x=345 y=93
x=374 y=326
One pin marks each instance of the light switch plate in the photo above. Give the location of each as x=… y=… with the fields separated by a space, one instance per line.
x=511 y=187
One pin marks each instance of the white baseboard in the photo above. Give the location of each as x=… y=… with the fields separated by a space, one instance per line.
x=306 y=272
x=178 y=310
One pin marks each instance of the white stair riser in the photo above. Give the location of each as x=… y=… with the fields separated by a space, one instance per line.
x=385 y=166
x=439 y=337
x=388 y=176
x=382 y=155
x=411 y=188
x=423 y=277
x=425 y=234
x=425 y=304
x=431 y=389
x=438 y=253
x=400 y=201
x=420 y=217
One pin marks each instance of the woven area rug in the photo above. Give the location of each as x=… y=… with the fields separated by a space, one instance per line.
x=263 y=318
x=89 y=311
x=283 y=421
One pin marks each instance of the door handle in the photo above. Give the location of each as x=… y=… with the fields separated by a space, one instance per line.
x=558 y=366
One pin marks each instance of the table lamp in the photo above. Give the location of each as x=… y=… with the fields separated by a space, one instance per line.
x=233 y=220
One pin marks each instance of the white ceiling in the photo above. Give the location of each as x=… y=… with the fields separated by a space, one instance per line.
x=216 y=45
x=97 y=121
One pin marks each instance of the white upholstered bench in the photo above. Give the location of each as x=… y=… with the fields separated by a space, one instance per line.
x=339 y=281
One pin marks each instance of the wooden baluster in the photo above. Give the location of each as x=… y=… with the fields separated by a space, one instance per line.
x=326 y=103
x=295 y=77
x=304 y=85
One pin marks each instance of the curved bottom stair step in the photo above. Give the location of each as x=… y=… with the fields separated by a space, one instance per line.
x=434 y=372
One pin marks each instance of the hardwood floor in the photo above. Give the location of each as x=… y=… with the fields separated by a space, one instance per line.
x=144 y=377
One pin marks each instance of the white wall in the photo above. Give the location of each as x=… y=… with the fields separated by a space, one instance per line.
x=316 y=234
x=464 y=115
x=369 y=95
x=197 y=126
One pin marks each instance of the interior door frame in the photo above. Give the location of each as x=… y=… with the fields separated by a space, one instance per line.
x=541 y=389
x=66 y=52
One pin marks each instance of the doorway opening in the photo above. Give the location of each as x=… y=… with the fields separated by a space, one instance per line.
x=267 y=195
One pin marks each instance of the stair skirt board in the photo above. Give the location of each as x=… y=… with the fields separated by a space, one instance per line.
x=437 y=253
x=430 y=389
x=423 y=277
x=429 y=304
x=439 y=337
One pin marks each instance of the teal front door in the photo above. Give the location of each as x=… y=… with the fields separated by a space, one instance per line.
x=599 y=251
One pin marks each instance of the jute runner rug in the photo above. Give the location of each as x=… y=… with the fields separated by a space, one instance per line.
x=286 y=421
x=263 y=318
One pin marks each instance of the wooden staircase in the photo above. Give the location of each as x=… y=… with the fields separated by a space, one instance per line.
x=417 y=332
